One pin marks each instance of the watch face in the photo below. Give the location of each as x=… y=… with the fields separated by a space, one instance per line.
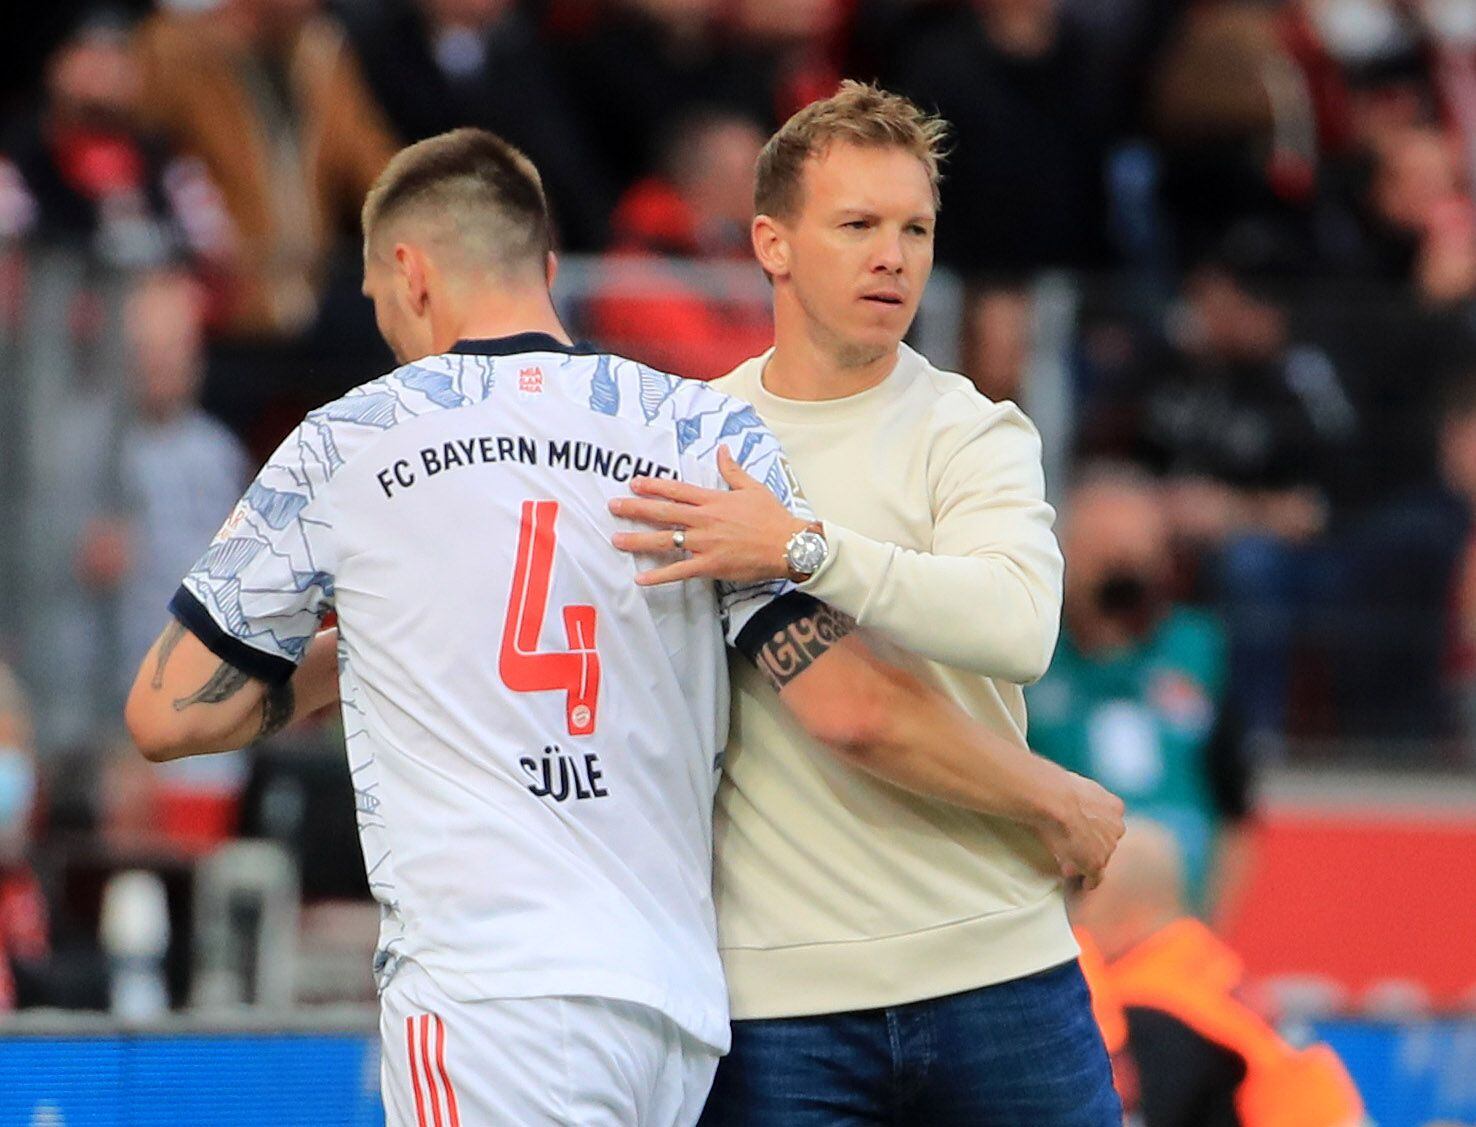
x=807 y=552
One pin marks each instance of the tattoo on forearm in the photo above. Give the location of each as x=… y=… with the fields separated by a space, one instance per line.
x=276 y=709
x=800 y=644
x=224 y=683
x=167 y=641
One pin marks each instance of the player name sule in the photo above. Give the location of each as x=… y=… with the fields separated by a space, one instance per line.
x=558 y=775
x=489 y=449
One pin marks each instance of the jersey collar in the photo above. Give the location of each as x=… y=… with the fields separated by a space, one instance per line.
x=521 y=342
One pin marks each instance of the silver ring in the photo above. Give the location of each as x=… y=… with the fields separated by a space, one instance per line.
x=679 y=539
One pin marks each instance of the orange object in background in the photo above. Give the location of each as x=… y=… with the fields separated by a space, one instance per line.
x=1188 y=973
x=1111 y=1020
x=1363 y=896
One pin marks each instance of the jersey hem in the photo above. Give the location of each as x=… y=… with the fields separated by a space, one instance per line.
x=706 y=1024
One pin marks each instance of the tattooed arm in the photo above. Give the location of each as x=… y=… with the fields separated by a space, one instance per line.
x=187 y=701
x=889 y=723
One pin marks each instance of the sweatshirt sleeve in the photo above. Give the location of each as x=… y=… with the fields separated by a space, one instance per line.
x=987 y=598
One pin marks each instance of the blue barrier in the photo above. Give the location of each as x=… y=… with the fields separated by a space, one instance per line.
x=1411 y=1074
x=215 y=1080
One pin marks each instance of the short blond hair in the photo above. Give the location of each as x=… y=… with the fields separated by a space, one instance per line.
x=858 y=114
x=472 y=186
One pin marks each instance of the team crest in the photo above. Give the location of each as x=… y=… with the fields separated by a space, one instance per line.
x=794 y=485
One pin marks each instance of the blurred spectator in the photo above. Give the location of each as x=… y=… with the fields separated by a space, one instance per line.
x=267 y=94
x=1231 y=116
x=1244 y=426
x=646 y=64
x=697 y=209
x=78 y=170
x=1416 y=638
x=1204 y=1058
x=1024 y=188
x=800 y=40
x=182 y=473
x=435 y=65
x=1136 y=696
x=25 y=943
x=1423 y=223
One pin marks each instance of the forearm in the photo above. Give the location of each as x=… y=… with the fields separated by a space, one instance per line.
x=314 y=686
x=186 y=701
x=990 y=614
x=923 y=742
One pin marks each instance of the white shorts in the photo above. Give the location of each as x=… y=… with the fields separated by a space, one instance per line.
x=526 y=1062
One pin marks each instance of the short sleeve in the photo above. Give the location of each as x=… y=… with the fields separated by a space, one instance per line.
x=719 y=420
x=258 y=594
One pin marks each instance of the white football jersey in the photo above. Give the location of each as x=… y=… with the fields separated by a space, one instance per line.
x=534 y=739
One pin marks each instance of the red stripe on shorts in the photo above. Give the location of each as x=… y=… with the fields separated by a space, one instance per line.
x=414 y=1071
x=445 y=1076
x=430 y=1080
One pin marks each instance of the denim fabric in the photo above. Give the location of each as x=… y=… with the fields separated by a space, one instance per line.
x=1025 y=1053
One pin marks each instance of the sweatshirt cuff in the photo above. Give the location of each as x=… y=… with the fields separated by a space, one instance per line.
x=853 y=569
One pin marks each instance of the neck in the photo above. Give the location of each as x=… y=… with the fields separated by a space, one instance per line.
x=503 y=316
x=810 y=364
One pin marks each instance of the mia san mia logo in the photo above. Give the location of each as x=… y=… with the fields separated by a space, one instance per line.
x=530 y=380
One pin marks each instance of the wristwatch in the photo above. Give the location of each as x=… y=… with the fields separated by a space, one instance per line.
x=805 y=552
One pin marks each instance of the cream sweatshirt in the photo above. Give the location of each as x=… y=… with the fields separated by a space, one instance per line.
x=835 y=890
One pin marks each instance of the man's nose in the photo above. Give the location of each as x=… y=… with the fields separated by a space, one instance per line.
x=887 y=254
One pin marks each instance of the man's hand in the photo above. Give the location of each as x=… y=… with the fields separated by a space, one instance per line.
x=1083 y=829
x=738 y=534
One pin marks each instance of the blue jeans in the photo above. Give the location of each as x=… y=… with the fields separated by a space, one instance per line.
x=1025 y=1053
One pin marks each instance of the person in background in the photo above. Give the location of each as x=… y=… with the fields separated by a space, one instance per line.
x=1137 y=696
x=434 y=65
x=268 y=96
x=696 y=209
x=25 y=934
x=1413 y=674
x=182 y=472
x=1026 y=185
x=1247 y=429
x=1203 y=1058
x=79 y=171
x=643 y=65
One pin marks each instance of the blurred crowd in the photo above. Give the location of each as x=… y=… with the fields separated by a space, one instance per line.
x=1265 y=209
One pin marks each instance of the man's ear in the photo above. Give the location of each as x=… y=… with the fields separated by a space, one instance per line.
x=551 y=269
x=410 y=267
x=770 y=245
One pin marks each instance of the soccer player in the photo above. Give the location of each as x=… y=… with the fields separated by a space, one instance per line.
x=534 y=739
x=889 y=957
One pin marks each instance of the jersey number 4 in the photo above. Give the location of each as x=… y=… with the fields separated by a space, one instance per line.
x=526 y=669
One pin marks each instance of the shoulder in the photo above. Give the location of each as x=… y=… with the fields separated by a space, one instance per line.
x=742 y=381
x=330 y=435
x=705 y=414
x=961 y=416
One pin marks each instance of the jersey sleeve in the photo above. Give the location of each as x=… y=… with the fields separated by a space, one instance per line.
x=731 y=423
x=258 y=594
